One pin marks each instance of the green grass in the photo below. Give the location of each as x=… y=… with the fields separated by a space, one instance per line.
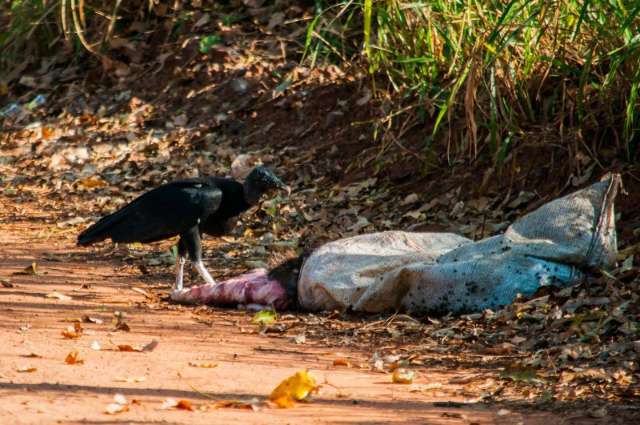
x=483 y=70
x=34 y=29
x=27 y=29
x=477 y=74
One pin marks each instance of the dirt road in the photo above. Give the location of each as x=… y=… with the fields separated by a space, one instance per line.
x=35 y=309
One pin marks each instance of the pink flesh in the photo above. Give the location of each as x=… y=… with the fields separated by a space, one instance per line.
x=250 y=288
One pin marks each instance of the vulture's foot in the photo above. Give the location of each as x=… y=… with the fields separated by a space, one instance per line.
x=204 y=273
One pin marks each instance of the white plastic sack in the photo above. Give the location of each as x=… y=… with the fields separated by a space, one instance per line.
x=436 y=273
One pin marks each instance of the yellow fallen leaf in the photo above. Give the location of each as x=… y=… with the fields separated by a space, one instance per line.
x=26 y=369
x=264 y=317
x=292 y=389
x=402 y=376
x=73 y=358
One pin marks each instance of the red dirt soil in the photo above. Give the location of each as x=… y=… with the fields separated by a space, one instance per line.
x=249 y=365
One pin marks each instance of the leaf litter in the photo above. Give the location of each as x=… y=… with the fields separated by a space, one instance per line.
x=531 y=345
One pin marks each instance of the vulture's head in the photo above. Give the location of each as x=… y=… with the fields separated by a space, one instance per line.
x=261 y=181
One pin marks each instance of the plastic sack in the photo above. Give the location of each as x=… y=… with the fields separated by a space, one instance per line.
x=437 y=273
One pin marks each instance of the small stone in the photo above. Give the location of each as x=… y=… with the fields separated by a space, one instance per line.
x=181 y=120
x=333 y=116
x=240 y=85
x=220 y=117
x=598 y=413
x=410 y=199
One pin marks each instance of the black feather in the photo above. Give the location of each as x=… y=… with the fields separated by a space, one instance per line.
x=187 y=208
x=161 y=213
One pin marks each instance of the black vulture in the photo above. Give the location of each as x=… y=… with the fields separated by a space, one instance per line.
x=186 y=208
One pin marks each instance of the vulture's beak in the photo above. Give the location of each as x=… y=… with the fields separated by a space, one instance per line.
x=281 y=186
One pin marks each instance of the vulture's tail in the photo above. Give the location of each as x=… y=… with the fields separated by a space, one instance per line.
x=100 y=230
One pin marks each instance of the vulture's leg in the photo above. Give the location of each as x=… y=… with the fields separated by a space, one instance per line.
x=191 y=240
x=180 y=260
x=179 y=272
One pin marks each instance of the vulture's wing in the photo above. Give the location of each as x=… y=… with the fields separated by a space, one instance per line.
x=158 y=214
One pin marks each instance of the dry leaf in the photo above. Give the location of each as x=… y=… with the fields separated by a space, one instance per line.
x=122 y=326
x=292 y=389
x=32 y=356
x=150 y=346
x=253 y=404
x=26 y=369
x=143 y=292
x=140 y=348
x=73 y=358
x=119 y=405
x=203 y=365
x=299 y=339
x=131 y=380
x=31 y=269
x=59 y=296
x=402 y=376
x=89 y=319
x=171 y=403
x=115 y=408
x=341 y=362
x=72 y=332
x=127 y=348
x=91 y=183
x=184 y=405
